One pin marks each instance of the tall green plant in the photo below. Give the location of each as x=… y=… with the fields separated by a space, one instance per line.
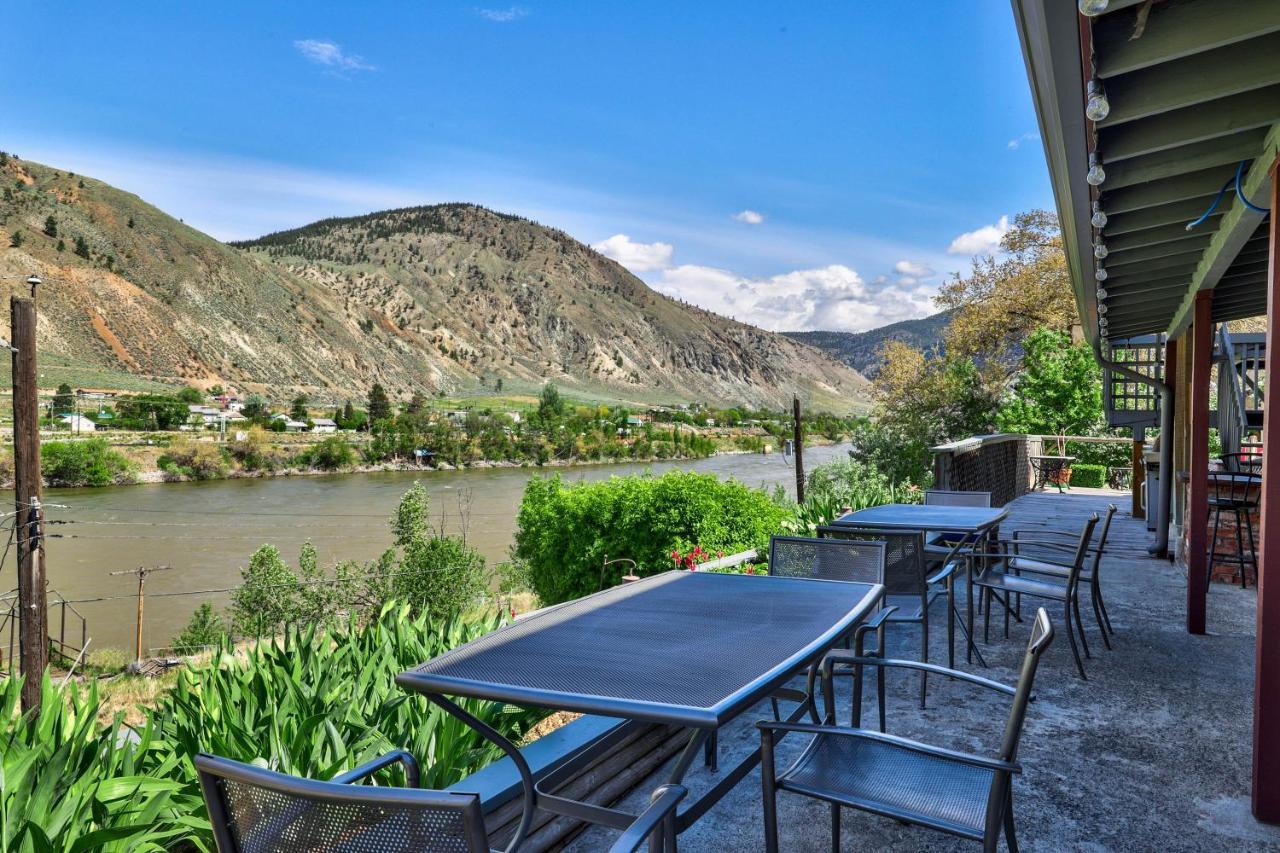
x=68 y=783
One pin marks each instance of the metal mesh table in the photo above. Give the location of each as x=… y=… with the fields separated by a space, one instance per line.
x=692 y=649
x=972 y=521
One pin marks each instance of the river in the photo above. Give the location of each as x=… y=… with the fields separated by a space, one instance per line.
x=206 y=530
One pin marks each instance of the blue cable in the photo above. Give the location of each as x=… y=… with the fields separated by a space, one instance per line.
x=1240 y=192
x=1212 y=207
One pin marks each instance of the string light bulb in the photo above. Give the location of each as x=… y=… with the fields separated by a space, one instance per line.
x=1096 y=105
x=1093 y=8
x=1100 y=273
x=1100 y=250
x=1096 y=174
x=1102 y=309
x=1102 y=295
x=1099 y=218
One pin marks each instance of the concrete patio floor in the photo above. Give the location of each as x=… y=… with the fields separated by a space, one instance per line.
x=1152 y=752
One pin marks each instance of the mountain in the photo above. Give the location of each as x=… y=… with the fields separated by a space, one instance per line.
x=861 y=350
x=447 y=299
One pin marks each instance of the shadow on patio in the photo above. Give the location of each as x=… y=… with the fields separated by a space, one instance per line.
x=1152 y=752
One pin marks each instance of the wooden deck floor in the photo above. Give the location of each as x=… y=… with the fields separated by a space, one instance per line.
x=1152 y=752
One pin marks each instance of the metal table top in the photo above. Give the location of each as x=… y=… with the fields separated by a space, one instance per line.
x=687 y=648
x=937 y=519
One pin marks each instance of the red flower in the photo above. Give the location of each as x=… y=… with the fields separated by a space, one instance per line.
x=720 y=554
x=751 y=570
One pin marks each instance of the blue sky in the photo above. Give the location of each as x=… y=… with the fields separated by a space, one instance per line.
x=811 y=165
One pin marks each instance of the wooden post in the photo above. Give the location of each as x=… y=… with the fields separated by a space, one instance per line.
x=798 y=441
x=1197 y=516
x=141 y=572
x=1266 y=672
x=33 y=634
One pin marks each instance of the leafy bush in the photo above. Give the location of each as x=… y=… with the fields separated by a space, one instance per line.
x=330 y=454
x=68 y=783
x=267 y=595
x=564 y=531
x=256 y=452
x=315 y=703
x=1112 y=454
x=204 y=629
x=846 y=484
x=436 y=574
x=1088 y=476
x=197 y=460
x=84 y=463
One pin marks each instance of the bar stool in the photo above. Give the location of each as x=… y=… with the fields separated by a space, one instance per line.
x=1236 y=493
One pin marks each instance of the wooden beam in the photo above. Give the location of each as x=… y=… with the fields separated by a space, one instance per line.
x=1194 y=79
x=1182 y=211
x=1266 y=670
x=1238 y=227
x=1185 y=158
x=1187 y=250
x=1222 y=117
x=1177 y=29
x=1203 y=184
x=1173 y=233
x=1197 y=515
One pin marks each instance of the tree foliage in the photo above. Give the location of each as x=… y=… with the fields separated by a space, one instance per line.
x=379 y=404
x=1058 y=391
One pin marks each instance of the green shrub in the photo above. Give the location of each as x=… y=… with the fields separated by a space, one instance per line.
x=564 y=531
x=197 y=460
x=91 y=462
x=1108 y=454
x=436 y=574
x=204 y=629
x=267 y=595
x=68 y=783
x=1088 y=476
x=331 y=454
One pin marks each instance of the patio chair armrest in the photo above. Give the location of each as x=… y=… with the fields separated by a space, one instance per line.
x=949 y=569
x=411 y=772
x=767 y=726
x=845 y=656
x=1048 y=543
x=664 y=803
x=875 y=621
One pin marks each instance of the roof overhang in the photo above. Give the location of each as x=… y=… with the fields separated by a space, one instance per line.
x=1194 y=88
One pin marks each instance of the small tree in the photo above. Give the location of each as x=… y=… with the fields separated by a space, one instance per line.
x=82 y=248
x=417 y=403
x=379 y=403
x=50 y=226
x=437 y=574
x=204 y=629
x=62 y=246
x=15 y=239
x=191 y=396
x=1058 y=391
x=550 y=406
x=267 y=597
x=64 y=400
x=254 y=407
x=130 y=222
x=298 y=411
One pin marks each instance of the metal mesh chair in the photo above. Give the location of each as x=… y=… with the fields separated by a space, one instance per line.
x=1244 y=462
x=1047 y=552
x=1001 y=586
x=953 y=792
x=907 y=589
x=946 y=497
x=254 y=810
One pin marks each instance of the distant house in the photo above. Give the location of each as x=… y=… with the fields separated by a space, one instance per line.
x=324 y=425
x=234 y=405
x=637 y=420
x=458 y=416
x=290 y=425
x=233 y=417
x=78 y=423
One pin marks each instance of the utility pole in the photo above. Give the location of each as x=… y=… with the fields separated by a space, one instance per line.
x=33 y=641
x=141 y=572
x=798 y=441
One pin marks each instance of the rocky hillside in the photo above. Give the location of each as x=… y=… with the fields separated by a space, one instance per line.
x=451 y=299
x=861 y=350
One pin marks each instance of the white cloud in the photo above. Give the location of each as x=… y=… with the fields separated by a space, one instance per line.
x=637 y=257
x=982 y=241
x=1018 y=140
x=830 y=297
x=503 y=16
x=331 y=55
x=751 y=217
x=913 y=268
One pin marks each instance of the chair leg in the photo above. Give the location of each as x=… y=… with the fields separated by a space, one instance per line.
x=951 y=625
x=711 y=750
x=1102 y=605
x=924 y=656
x=835 y=828
x=1213 y=544
x=1253 y=552
x=1010 y=837
x=986 y=596
x=1075 y=607
x=880 y=695
x=1094 y=598
x=1075 y=652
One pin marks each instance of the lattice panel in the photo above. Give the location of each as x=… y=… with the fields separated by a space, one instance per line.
x=1129 y=402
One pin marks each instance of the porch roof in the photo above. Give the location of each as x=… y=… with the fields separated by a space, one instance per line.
x=1194 y=92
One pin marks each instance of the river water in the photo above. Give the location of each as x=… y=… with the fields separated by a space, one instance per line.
x=206 y=531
